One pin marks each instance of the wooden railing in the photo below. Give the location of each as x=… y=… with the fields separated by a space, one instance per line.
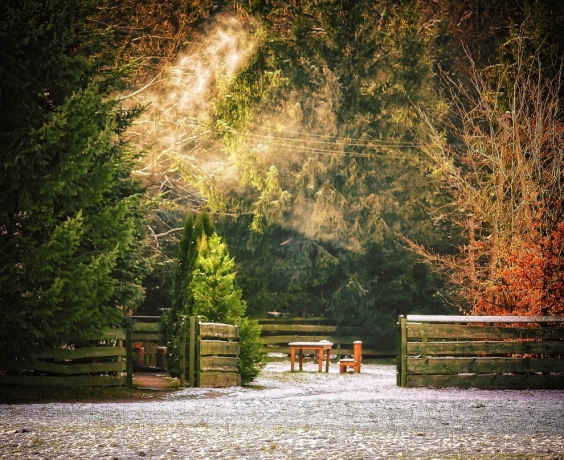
x=277 y=333
x=100 y=362
x=480 y=351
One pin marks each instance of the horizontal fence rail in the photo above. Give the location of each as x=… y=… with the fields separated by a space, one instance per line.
x=277 y=333
x=480 y=351
x=98 y=361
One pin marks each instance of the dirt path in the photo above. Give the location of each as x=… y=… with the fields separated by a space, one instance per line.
x=296 y=416
x=155 y=381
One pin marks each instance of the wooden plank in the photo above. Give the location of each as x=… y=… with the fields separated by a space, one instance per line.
x=192 y=353
x=297 y=319
x=479 y=348
x=197 y=343
x=141 y=336
x=129 y=353
x=219 y=364
x=145 y=327
x=182 y=369
x=457 y=331
x=68 y=369
x=219 y=379
x=399 y=351
x=77 y=353
x=113 y=334
x=402 y=352
x=108 y=334
x=482 y=365
x=348 y=340
x=484 y=319
x=501 y=381
x=71 y=381
x=219 y=331
x=217 y=347
x=296 y=328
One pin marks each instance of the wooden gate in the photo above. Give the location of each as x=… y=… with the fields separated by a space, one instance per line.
x=480 y=351
x=212 y=358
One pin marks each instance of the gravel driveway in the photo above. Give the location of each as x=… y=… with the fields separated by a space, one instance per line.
x=296 y=416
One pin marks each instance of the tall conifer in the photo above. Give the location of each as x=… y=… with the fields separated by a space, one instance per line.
x=334 y=110
x=70 y=219
x=195 y=227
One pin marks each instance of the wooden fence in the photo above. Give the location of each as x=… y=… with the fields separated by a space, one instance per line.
x=98 y=362
x=480 y=351
x=277 y=333
x=107 y=360
x=212 y=359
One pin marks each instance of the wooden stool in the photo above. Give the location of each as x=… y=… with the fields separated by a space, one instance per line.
x=353 y=362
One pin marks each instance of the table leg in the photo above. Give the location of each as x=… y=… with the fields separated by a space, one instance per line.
x=320 y=360
x=328 y=357
x=301 y=358
x=292 y=358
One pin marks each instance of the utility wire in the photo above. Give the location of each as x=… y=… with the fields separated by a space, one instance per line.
x=368 y=144
x=376 y=141
x=294 y=149
x=350 y=140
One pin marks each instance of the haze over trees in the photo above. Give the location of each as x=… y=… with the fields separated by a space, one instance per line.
x=359 y=159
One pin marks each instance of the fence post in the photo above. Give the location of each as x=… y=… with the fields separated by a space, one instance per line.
x=398 y=353
x=192 y=352
x=197 y=340
x=183 y=354
x=402 y=352
x=129 y=352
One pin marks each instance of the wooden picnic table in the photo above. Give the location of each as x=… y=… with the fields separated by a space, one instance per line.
x=323 y=348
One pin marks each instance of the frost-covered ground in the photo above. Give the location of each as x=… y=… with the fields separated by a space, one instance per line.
x=296 y=416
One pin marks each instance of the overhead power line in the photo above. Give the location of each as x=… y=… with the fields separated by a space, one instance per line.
x=349 y=140
x=367 y=144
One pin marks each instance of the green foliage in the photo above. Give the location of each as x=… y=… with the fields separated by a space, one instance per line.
x=209 y=290
x=332 y=158
x=213 y=289
x=250 y=352
x=283 y=271
x=70 y=221
x=218 y=299
x=196 y=227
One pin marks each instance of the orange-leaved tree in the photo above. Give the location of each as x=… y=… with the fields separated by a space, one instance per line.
x=505 y=173
x=530 y=279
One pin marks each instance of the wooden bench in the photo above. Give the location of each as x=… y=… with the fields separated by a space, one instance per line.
x=353 y=362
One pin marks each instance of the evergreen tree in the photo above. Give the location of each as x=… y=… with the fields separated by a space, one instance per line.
x=213 y=289
x=70 y=219
x=218 y=299
x=195 y=228
x=324 y=126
